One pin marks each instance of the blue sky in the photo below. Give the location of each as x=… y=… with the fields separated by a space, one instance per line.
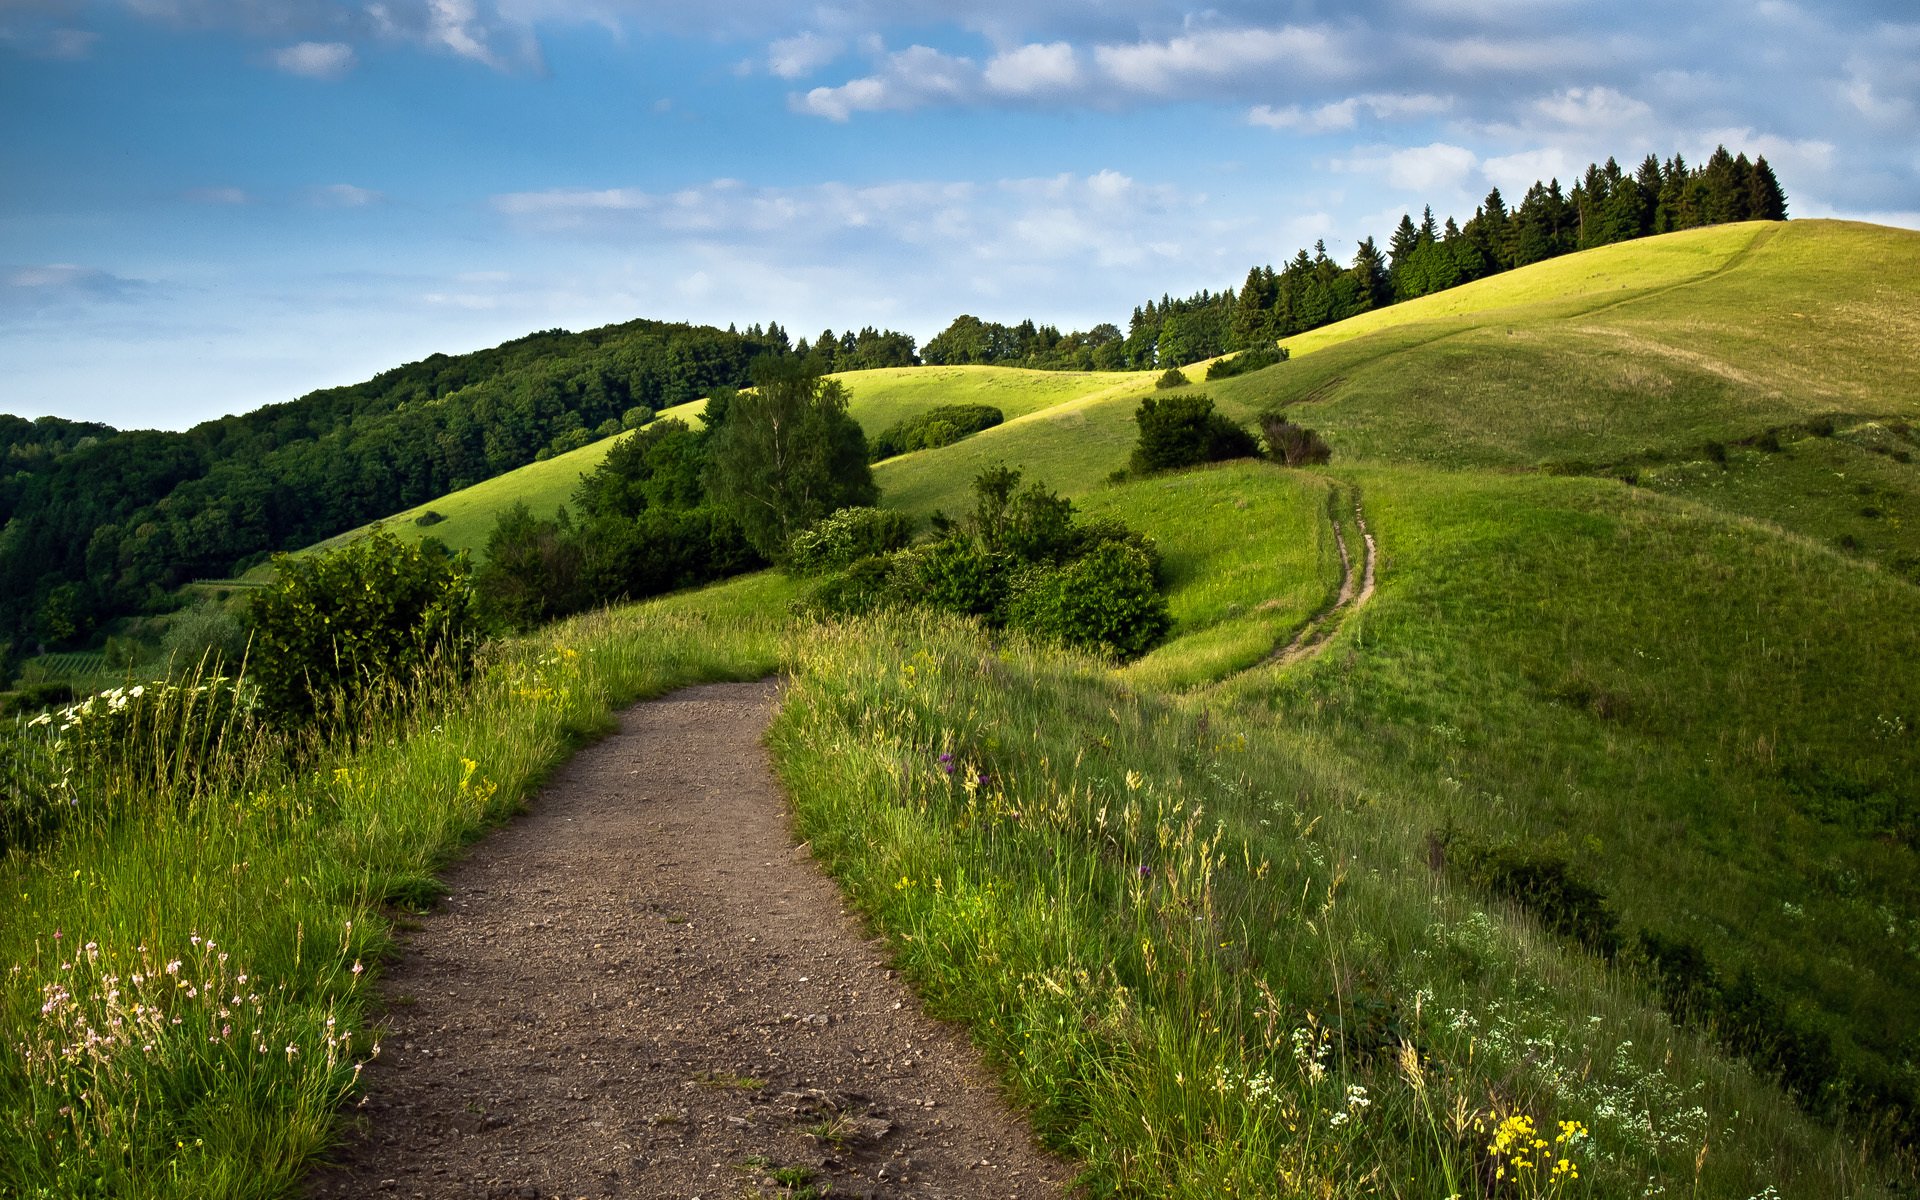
x=209 y=205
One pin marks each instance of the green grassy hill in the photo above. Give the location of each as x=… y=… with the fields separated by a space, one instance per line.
x=878 y=399
x=1614 y=776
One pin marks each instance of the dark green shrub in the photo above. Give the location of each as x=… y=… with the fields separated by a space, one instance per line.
x=1256 y=359
x=532 y=571
x=939 y=426
x=866 y=585
x=846 y=536
x=1172 y=377
x=1106 y=601
x=1293 y=445
x=369 y=620
x=1184 y=431
x=1093 y=534
x=962 y=576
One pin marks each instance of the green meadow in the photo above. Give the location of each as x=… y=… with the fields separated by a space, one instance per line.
x=1643 y=639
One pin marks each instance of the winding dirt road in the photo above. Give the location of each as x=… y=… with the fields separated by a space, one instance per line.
x=643 y=988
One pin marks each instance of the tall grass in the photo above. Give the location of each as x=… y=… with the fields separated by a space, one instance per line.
x=187 y=981
x=1206 y=961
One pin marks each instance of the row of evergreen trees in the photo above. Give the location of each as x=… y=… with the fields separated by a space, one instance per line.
x=1607 y=204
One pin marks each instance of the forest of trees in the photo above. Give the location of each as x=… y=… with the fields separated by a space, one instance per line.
x=99 y=523
x=1044 y=347
x=1607 y=204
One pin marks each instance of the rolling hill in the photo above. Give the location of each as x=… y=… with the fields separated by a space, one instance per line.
x=1616 y=767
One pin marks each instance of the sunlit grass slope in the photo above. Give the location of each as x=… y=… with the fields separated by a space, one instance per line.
x=877 y=399
x=1208 y=953
x=881 y=398
x=1777 y=325
x=1565 y=286
x=1249 y=557
x=1711 y=719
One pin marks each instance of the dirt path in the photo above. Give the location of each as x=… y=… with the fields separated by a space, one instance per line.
x=1354 y=594
x=644 y=989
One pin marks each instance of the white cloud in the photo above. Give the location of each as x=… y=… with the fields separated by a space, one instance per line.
x=1344 y=114
x=914 y=77
x=345 y=195
x=1191 y=64
x=1513 y=174
x=1164 y=67
x=1034 y=69
x=1552 y=55
x=315 y=60
x=1341 y=114
x=794 y=57
x=1597 y=108
x=1420 y=169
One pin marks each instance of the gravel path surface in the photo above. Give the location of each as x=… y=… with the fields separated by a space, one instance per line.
x=643 y=988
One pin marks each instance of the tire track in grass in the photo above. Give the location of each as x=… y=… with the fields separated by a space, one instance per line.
x=1356 y=589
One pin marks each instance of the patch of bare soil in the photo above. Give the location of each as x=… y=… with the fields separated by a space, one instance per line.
x=643 y=988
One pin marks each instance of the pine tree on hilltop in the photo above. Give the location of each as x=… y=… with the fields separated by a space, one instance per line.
x=1765 y=199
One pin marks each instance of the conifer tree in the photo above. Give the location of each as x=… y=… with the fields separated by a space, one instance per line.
x=1765 y=200
x=1371 y=286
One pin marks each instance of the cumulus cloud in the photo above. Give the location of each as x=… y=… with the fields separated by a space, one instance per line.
x=324 y=33
x=1515 y=173
x=802 y=55
x=1033 y=69
x=1345 y=114
x=1190 y=64
x=1600 y=108
x=1164 y=67
x=911 y=78
x=315 y=60
x=1419 y=169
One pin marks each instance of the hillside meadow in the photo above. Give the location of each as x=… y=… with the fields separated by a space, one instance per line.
x=1579 y=861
